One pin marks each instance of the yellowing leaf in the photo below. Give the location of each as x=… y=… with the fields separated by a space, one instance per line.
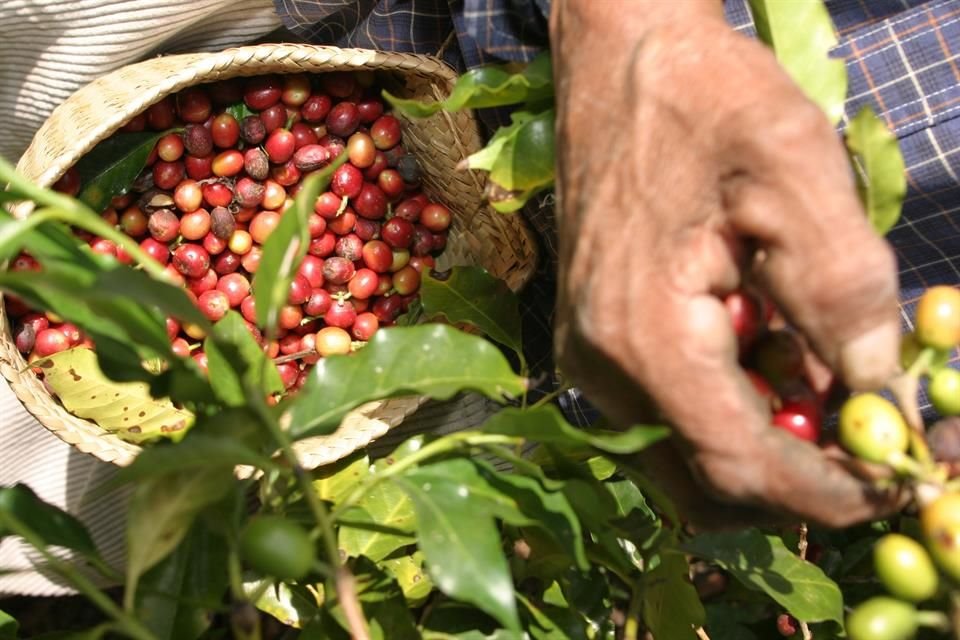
x=126 y=409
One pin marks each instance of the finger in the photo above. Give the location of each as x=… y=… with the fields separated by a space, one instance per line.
x=724 y=429
x=830 y=273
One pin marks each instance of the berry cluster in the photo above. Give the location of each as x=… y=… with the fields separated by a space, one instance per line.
x=215 y=189
x=774 y=362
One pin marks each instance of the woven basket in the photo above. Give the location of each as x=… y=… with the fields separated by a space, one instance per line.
x=478 y=235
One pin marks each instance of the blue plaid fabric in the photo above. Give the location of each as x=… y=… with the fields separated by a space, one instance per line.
x=903 y=59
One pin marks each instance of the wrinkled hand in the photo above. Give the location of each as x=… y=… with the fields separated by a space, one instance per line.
x=681 y=145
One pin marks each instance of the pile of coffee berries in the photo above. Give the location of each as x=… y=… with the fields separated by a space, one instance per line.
x=774 y=362
x=215 y=188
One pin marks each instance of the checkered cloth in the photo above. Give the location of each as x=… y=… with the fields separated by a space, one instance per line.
x=902 y=59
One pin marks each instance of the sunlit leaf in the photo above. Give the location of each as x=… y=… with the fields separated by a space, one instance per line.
x=488 y=86
x=461 y=546
x=882 y=176
x=471 y=295
x=763 y=563
x=384 y=607
x=520 y=159
x=124 y=408
x=293 y=605
x=410 y=575
x=546 y=424
x=801 y=35
x=333 y=482
x=381 y=523
x=433 y=360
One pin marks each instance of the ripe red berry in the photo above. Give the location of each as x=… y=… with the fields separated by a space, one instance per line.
x=69 y=182
x=167 y=175
x=227 y=164
x=337 y=270
x=350 y=247
x=343 y=119
x=204 y=283
x=312 y=269
x=197 y=140
x=170 y=147
x=371 y=202
x=369 y=110
x=191 y=260
x=296 y=89
x=164 y=225
x=50 y=341
x=385 y=132
x=406 y=280
x=436 y=218
x=365 y=326
x=316 y=108
x=262 y=92
x=188 y=196
x=397 y=232
x=280 y=146
x=347 y=181
x=299 y=290
x=194 y=105
x=363 y=284
x=318 y=303
x=214 y=304
x=340 y=314
x=263 y=225
x=156 y=250
x=225 y=131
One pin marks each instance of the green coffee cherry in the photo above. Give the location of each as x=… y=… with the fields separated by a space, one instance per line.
x=905 y=568
x=944 y=391
x=872 y=428
x=882 y=618
x=940 y=522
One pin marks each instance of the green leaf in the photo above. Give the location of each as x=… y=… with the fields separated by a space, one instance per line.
x=470 y=294
x=161 y=512
x=124 y=408
x=240 y=111
x=433 y=360
x=801 y=35
x=413 y=580
x=196 y=451
x=292 y=605
x=553 y=623
x=381 y=523
x=671 y=606
x=178 y=596
x=881 y=175
x=110 y=168
x=727 y=621
x=285 y=248
x=125 y=282
x=386 y=611
x=20 y=505
x=8 y=626
x=763 y=563
x=449 y=619
x=333 y=482
x=547 y=425
x=461 y=546
x=237 y=364
x=488 y=86
x=548 y=510
x=519 y=158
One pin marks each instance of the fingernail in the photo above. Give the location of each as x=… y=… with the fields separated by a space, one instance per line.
x=870 y=359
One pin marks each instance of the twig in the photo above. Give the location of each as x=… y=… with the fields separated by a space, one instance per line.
x=290 y=357
x=802 y=552
x=702 y=633
x=347 y=592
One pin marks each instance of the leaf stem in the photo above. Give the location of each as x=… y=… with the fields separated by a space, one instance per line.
x=934 y=619
x=631 y=627
x=437 y=447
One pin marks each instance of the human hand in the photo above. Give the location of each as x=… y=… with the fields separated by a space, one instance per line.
x=687 y=159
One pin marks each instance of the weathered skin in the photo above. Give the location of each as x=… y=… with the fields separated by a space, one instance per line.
x=682 y=148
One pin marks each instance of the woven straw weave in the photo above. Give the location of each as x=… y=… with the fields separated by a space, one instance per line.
x=501 y=244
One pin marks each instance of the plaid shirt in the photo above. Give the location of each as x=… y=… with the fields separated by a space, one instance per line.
x=903 y=59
